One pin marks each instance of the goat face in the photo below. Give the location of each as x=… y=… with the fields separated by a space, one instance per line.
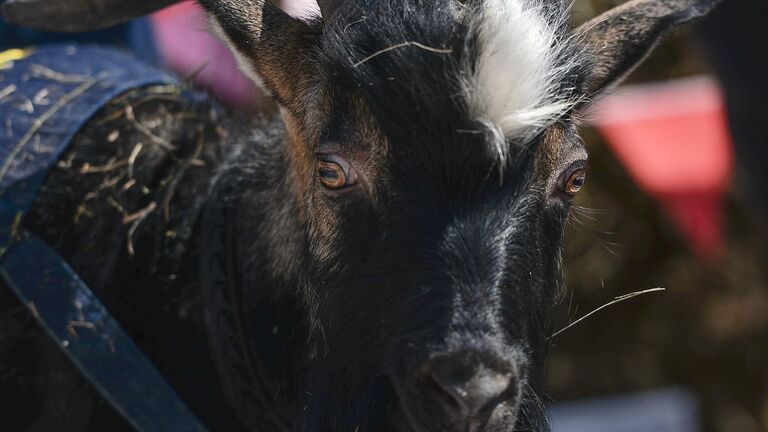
x=434 y=223
x=435 y=263
x=433 y=159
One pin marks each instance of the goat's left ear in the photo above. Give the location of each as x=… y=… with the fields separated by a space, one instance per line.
x=621 y=38
x=271 y=46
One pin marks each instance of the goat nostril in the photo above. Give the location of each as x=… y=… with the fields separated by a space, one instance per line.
x=472 y=387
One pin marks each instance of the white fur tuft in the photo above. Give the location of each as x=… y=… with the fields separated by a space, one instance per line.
x=514 y=88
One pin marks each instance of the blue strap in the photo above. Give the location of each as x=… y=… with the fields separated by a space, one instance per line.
x=49 y=96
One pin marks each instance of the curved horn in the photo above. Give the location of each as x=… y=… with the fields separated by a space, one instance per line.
x=77 y=15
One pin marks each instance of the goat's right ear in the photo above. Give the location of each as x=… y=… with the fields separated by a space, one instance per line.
x=621 y=38
x=270 y=45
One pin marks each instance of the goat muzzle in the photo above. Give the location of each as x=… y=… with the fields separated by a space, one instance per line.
x=466 y=390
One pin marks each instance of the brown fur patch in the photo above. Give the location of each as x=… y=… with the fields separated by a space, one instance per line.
x=560 y=147
x=300 y=156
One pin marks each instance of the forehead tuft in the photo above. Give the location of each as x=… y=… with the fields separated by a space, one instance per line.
x=508 y=67
x=526 y=67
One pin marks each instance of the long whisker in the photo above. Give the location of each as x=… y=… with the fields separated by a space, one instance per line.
x=607 y=305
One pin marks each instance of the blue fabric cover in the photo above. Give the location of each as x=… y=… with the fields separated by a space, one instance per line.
x=75 y=82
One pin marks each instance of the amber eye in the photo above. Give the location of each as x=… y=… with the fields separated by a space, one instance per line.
x=334 y=172
x=575 y=181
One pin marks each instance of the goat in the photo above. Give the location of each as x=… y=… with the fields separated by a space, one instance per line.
x=382 y=254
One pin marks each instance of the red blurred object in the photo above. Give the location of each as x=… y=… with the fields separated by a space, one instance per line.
x=186 y=46
x=673 y=139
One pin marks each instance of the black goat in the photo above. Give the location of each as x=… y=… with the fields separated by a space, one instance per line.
x=383 y=255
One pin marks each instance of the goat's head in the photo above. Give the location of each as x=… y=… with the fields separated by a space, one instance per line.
x=434 y=155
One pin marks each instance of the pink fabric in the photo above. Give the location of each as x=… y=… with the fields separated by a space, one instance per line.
x=183 y=42
x=674 y=140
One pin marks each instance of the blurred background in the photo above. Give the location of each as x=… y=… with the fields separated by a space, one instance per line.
x=676 y=199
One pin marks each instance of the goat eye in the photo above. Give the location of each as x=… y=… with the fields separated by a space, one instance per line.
x=573 y=179
x=334 y=172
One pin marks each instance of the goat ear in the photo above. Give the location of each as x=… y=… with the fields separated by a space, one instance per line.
x=269 y=45
x=621 y=38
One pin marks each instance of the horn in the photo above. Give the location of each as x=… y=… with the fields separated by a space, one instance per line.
x=77 y=15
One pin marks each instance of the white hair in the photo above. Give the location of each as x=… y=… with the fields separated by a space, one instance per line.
x=515 y=85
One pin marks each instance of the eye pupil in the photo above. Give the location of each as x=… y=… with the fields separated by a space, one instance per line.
x=575 y=181
x=329 y=174
x=332 y=175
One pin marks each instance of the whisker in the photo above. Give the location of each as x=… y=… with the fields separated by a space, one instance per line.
x=589 y=215
x=611 y=251
x=593 y=210
x=607 y=305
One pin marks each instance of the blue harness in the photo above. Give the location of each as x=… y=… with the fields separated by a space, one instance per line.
x=45 y=99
